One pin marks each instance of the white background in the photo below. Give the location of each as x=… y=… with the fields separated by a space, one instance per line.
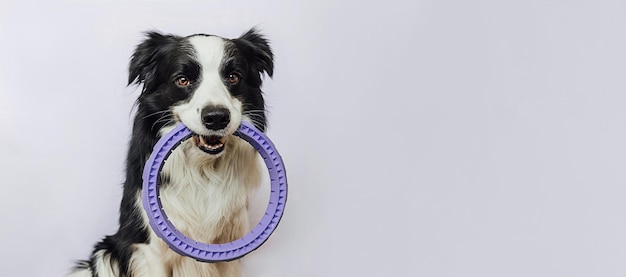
x=421 y=138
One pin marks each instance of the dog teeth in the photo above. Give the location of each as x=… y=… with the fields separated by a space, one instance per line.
x=213 y=146
x=201 y=142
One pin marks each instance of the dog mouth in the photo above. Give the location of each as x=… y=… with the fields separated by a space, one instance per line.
x=209 y=144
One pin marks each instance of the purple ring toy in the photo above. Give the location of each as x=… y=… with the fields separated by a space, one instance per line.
x=203 y=252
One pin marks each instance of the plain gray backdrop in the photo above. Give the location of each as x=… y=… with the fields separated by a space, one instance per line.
x=421 y=138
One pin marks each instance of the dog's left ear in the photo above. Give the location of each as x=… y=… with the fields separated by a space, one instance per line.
x=255 y=47
x=143 y=64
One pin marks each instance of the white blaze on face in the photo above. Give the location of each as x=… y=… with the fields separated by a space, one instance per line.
x=211 y=91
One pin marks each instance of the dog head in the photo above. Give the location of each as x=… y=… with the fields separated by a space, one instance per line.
x=207 y=82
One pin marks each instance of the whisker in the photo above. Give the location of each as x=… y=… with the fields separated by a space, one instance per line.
x=254 y=111
x=256 y=116
x=155 y=113
x=167 y=118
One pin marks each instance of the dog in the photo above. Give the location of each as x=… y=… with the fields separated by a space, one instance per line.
x=210 y=84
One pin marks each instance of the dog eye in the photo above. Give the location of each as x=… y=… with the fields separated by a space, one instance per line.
x=232 y=78
x=182 y=81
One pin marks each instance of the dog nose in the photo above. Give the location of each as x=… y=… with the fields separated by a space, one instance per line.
x=215 y=118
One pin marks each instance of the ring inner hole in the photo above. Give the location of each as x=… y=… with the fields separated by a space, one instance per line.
x=256 y=206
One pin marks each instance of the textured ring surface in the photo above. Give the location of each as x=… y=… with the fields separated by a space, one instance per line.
x=203 y=252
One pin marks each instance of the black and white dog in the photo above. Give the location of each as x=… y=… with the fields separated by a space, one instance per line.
x=210 y=84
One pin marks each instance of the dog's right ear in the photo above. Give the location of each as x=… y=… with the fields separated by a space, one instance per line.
x=143 y=63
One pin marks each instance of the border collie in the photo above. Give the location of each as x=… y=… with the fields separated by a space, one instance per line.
x=210 y=84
